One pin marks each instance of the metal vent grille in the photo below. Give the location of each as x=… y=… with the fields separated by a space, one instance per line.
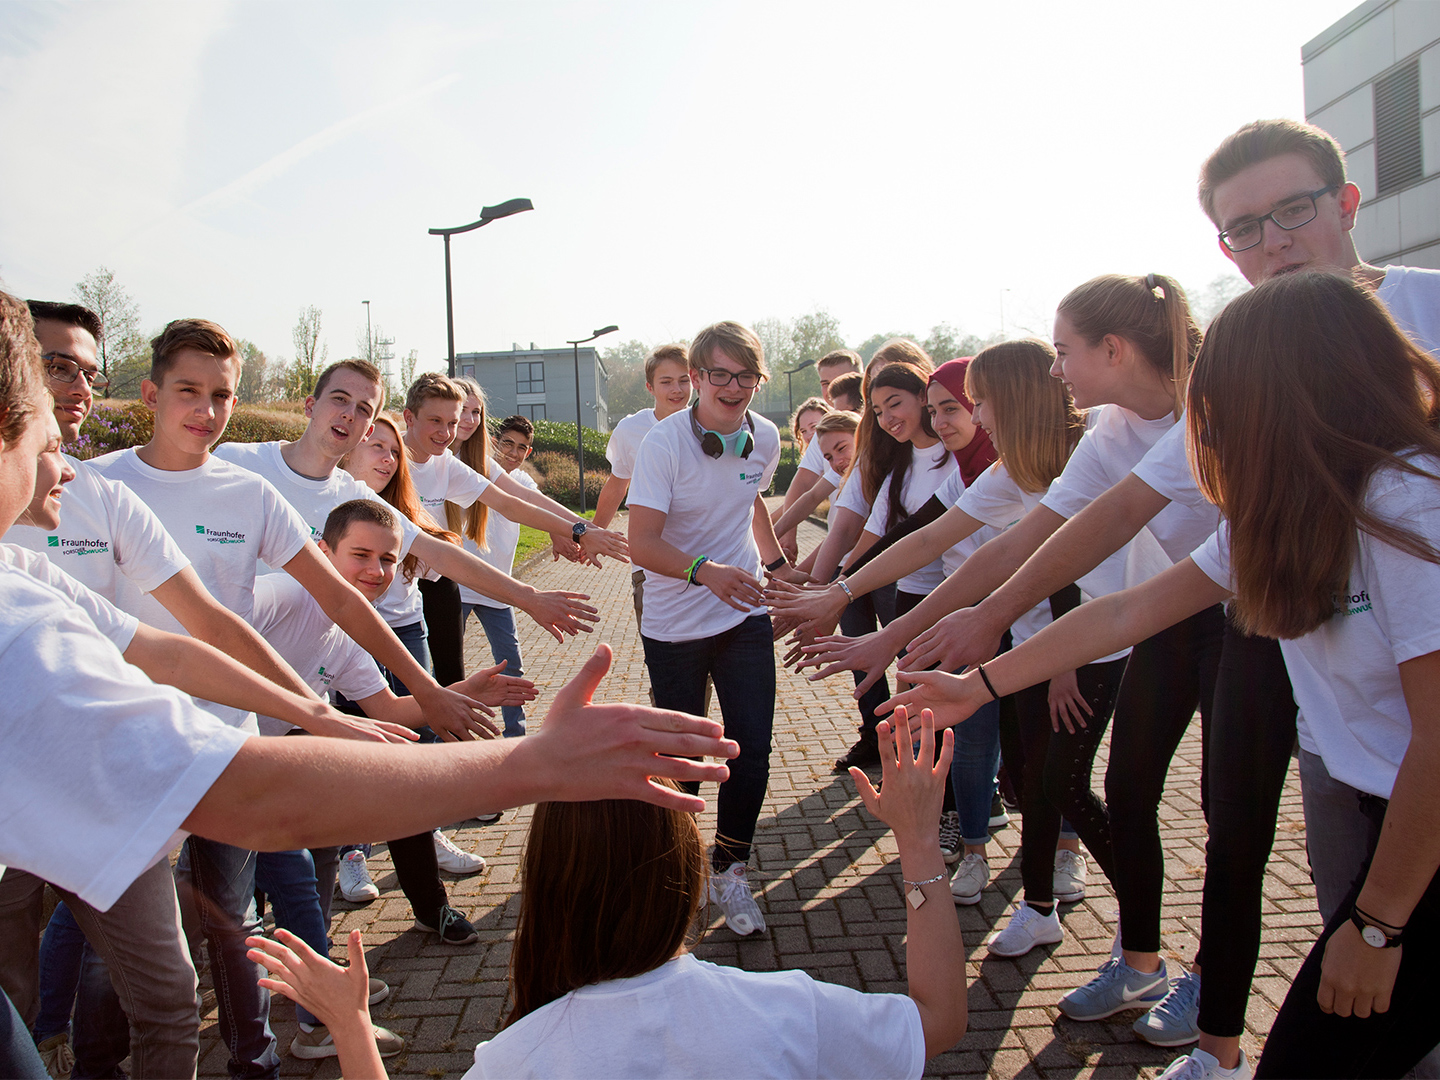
x=1398 y=158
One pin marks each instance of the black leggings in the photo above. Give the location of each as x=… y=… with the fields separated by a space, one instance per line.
x=1166 y=677
x=1057 y=777
x=860 y=618
x=445 y=628
x=1251 y=736
x=1304 y=1041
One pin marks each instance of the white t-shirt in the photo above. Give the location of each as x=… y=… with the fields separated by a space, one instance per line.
x=625 y=442
x=1345 y=673
x=928 y=469
x=693 y=1018
x=226 y=519
x=852 y=496
x=709 y=503
x=313 y=499
x=998 y=501
x=105 y=532
x=117 y=626
x=322 y=654
x=443 y=478
x=837 y=482
x=813 y=459
x=101 y=766
x=1113 y=446
x=1413 y=297
x=502 y=536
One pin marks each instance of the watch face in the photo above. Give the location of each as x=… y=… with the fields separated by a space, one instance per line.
x=1374 y=937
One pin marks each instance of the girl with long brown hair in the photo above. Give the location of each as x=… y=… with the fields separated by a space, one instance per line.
x=602 y=981
x=1313 y=424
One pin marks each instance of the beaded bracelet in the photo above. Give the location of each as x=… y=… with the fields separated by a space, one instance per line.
x=915 y=897
x=694 y=566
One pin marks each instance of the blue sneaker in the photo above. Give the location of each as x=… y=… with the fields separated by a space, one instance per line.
x=1176 y=1020
x=1118 y=987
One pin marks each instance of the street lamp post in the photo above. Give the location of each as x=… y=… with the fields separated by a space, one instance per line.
x=579 y=428
x=790 y=400
x=487 y=215
x=369 y=341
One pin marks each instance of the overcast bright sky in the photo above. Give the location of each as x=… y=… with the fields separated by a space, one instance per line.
x=898 y=165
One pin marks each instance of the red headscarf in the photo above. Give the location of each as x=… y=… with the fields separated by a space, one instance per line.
x=978 y=454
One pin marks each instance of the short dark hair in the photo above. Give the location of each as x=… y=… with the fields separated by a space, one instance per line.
x=68 y=314
x=1262 y=140
x=516 y=423
x=851 y=385
x=835 y=357
x=200 y=334
x=364 y=368
x=371 y=511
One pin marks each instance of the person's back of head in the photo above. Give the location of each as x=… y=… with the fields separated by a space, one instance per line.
x=22 y=381
x=609 y=890
x=1262 y=140
x=847 y=392
x=1034 y=423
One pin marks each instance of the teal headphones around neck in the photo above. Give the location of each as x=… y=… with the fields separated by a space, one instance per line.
x=714 y=444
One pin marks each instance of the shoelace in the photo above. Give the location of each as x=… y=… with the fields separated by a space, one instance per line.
x=736 y=890
x=949 y=831
x=1180 y=999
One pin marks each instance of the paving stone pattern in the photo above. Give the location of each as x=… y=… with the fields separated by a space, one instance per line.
x=831 y=895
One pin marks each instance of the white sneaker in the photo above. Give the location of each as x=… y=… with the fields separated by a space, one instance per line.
x=971 y=877
x=1198 y=1065
x=354 y=879
x=452 y=859
x=1026 y=929
x=730 y=891
x=1068 y=884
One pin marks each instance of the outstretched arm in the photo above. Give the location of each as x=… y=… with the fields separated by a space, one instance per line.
x=603 y=542
x=798 y=503
x=281 y=794
x=611 y=496
x=911 y=793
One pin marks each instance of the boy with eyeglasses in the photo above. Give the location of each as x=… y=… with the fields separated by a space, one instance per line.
x=512 y=444
x=700 y=530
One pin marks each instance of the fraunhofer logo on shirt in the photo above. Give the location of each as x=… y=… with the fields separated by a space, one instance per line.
x=78 y=547
x=220 y=536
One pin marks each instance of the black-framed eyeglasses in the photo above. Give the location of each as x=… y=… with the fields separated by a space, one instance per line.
x=1288 y=215
x=515 y=449
x=65 y=369
x=746 y=380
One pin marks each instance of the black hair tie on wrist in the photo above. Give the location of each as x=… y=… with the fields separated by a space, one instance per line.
x=986 y=678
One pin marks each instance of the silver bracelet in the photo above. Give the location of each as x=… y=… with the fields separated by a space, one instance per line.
x=915 y=897
x=846 y=588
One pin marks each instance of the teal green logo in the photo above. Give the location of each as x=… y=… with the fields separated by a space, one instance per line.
x=200 y=529
x=78 y=547
x=52 y=541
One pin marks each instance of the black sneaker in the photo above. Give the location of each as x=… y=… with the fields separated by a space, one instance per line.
x=453 y=928
x=865 y=754
x=999 y=816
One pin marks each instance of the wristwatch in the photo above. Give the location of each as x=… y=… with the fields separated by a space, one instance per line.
x=1372 y=935
x=579 y=529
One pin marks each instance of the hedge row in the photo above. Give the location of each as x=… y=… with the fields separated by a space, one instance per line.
x=121 y=426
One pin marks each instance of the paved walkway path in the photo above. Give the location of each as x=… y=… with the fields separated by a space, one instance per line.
x=832 y=899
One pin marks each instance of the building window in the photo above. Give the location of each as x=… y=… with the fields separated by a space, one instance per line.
x=532 y=412
x=467 y=370
x=1398 y=159
x=530 y=377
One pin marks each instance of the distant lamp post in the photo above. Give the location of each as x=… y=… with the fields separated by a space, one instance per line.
x=579 y=428
x=790 y=399
x=487 y=215
x=369 y=341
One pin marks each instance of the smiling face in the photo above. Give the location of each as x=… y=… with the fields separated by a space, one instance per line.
x=838 y=449
x=343 y=414
x=74 y=399
x=805 y=424
x=430 y=430
x=670 y=387
x=512 y=447
x=51 y=475
x=899 y=413
x=1089 y=371
x=1322 y=244
x=192 y=406
x=722 y=408
x=375 y=460
x=18 y=466
x=366 y=556
x=949 y=417
x=472 y=411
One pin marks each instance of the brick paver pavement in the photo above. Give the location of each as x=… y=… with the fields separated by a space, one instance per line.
x=831 y=896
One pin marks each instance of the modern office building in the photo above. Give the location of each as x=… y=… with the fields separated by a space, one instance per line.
x=1373 y=81
x=540 y=383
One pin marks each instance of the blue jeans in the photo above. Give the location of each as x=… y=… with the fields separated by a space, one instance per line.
x=287 y=878
x=217 y=890
x=1339 y=834
x=972 y=771
x=73 y=976
x=741 y=662
x=499 y=627
x=18 y=1056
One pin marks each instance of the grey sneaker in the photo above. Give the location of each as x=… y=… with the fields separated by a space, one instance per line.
x=730 y=892
x=1176 y=1020
x=1068 y=884
x=1118 y=987
x=57 y=1056
x=950 y=841
x=318 y=1043
x=971 y=877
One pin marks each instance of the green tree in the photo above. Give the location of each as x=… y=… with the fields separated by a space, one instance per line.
x=625 y=388
x=1206 y=303
x=407 y=370
x=310 y=354
x=871 y=345
x=120 y=344
x=255 y=373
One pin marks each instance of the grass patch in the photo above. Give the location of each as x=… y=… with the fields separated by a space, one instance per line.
x=533 y=541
